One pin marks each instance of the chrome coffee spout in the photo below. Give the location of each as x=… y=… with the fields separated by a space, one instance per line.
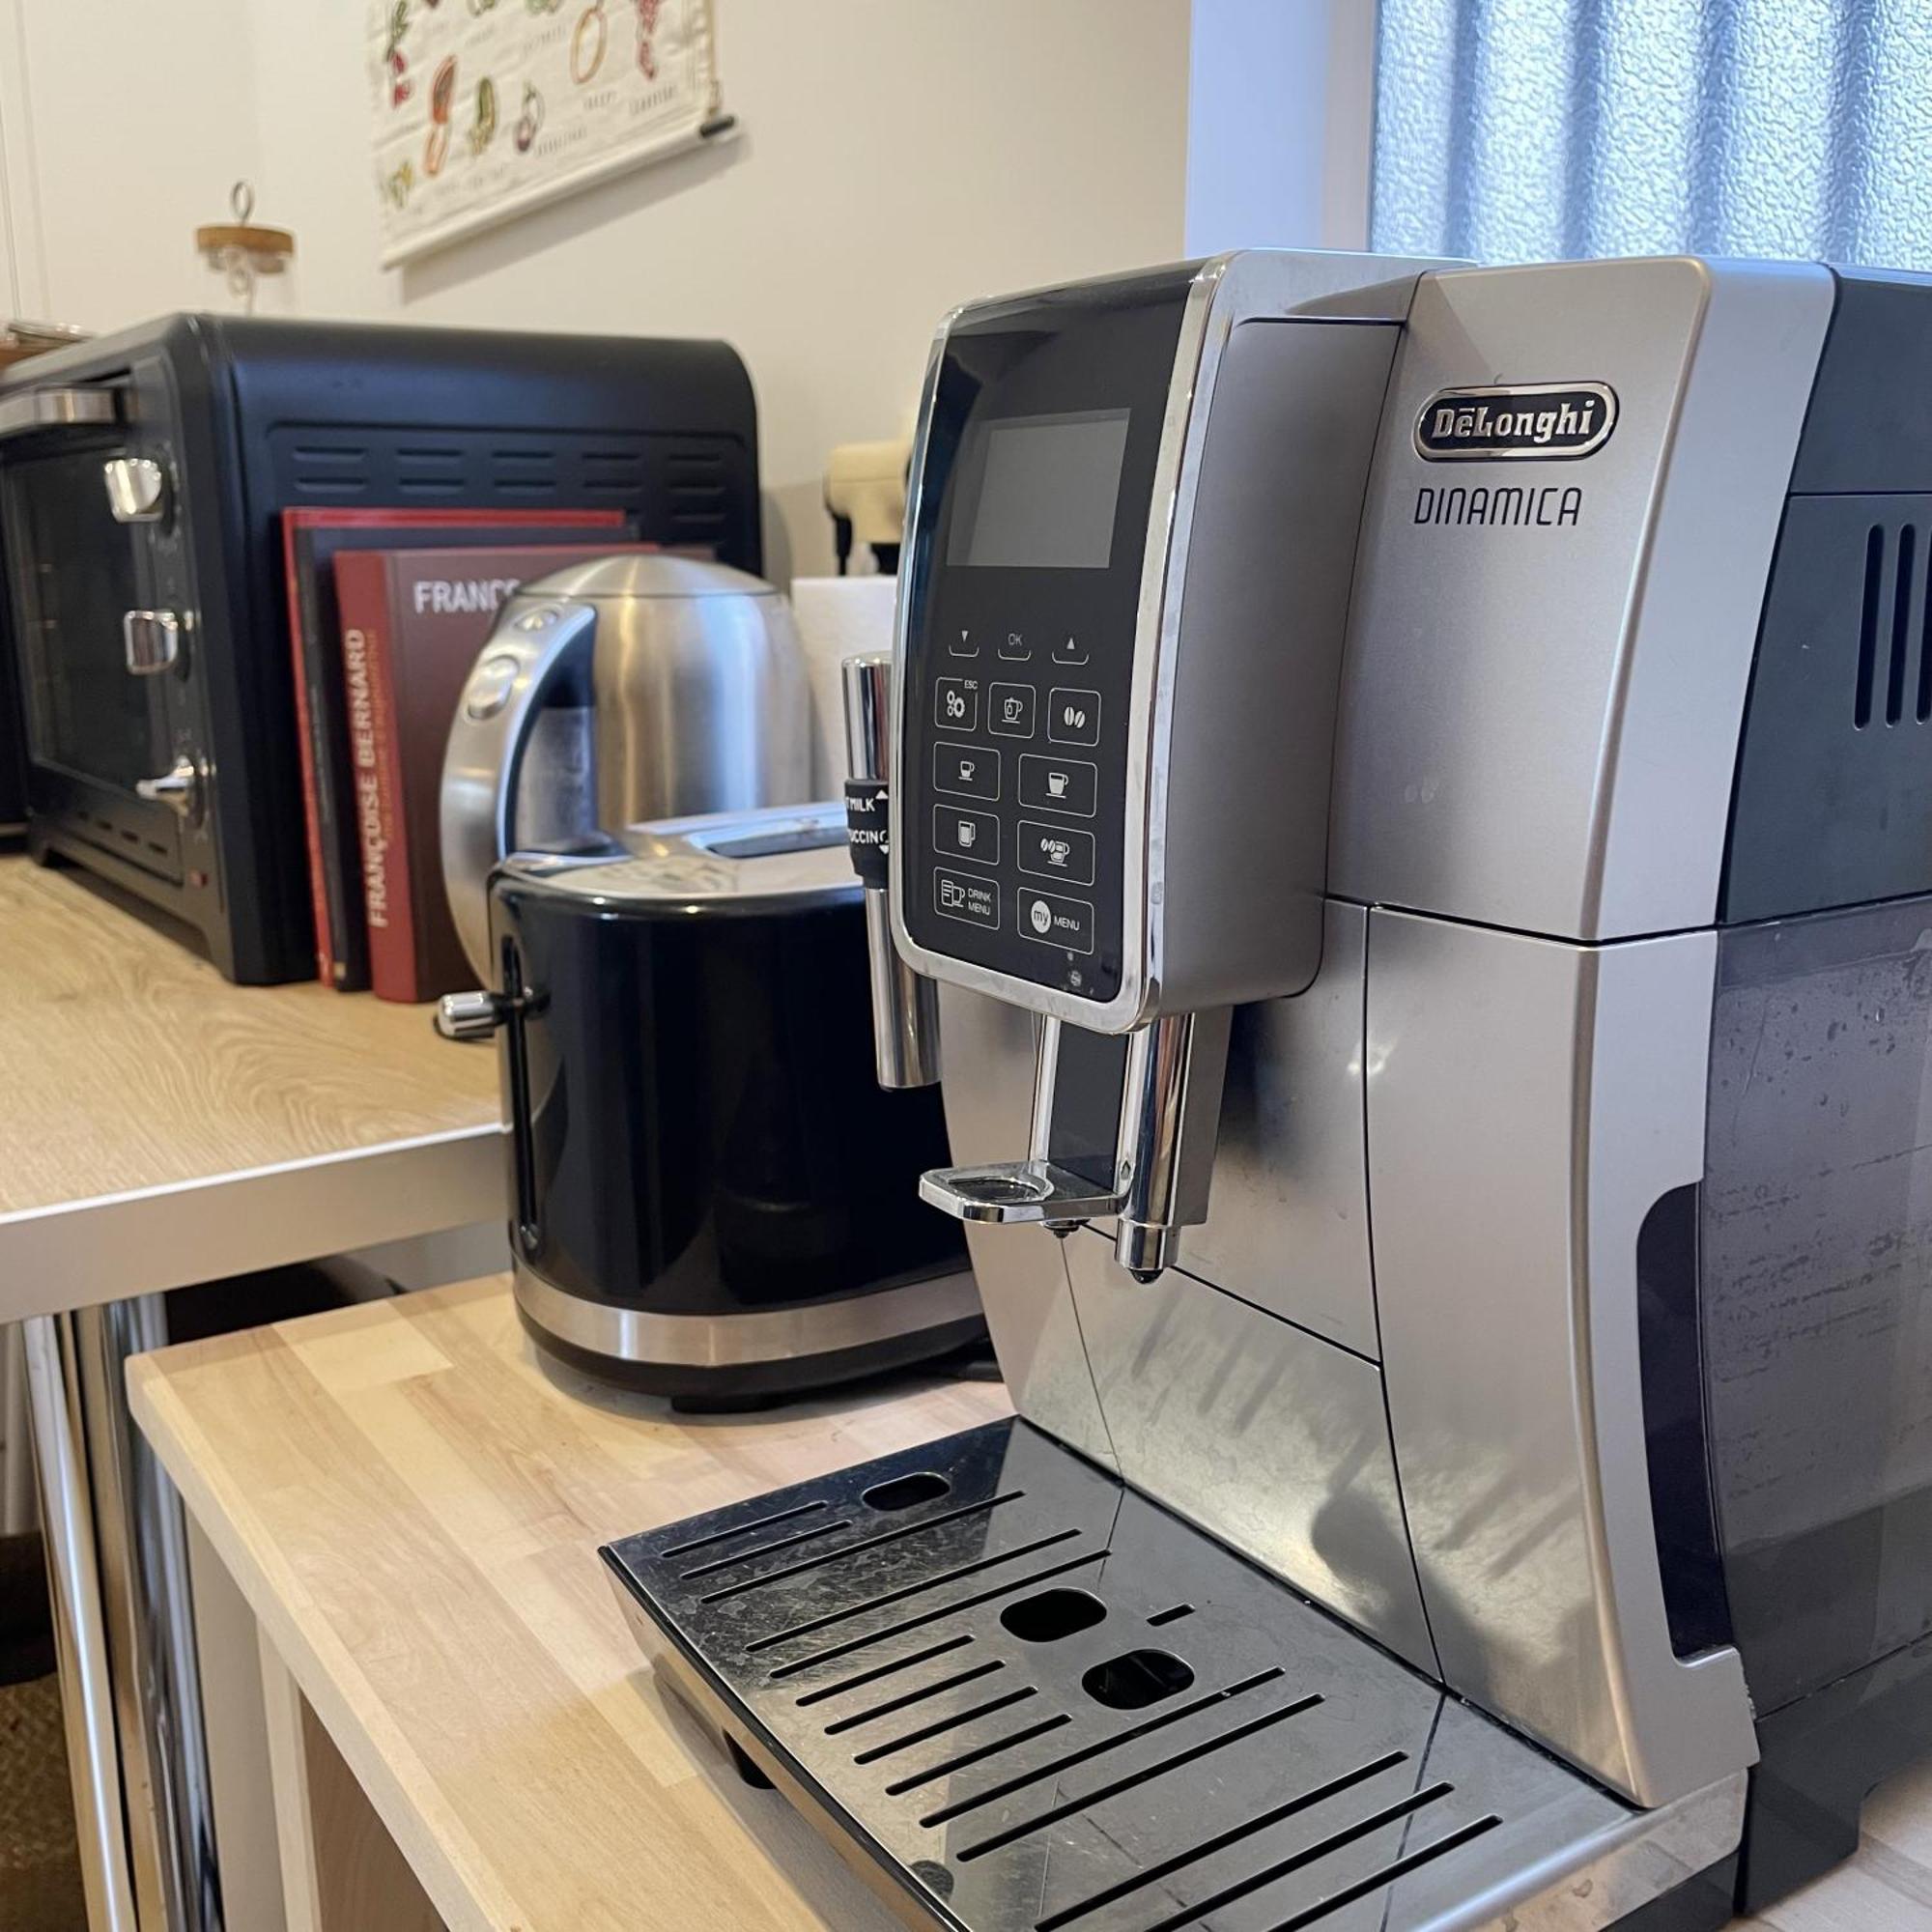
x=1170 y=1126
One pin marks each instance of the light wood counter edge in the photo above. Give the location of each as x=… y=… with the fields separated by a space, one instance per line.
x=451 y=1868
x=76 y=1253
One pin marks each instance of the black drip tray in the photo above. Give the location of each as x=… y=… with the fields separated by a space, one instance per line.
x=1040 y=1701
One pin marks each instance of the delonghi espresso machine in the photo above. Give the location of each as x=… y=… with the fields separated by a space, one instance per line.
x=1440 y=755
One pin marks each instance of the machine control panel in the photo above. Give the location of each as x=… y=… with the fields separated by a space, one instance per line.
x=1035 y=509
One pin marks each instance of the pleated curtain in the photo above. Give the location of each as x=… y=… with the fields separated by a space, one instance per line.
x=1530 y=129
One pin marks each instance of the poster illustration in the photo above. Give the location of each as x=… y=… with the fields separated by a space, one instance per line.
x=485 y=108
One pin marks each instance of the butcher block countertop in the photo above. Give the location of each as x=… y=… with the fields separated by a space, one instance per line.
x=162 y=1126
x=411 y=1502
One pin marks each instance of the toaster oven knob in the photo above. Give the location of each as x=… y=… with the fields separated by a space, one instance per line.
x=469 y=1017
x=151 y=640
x=137 y=489
x=180 y=790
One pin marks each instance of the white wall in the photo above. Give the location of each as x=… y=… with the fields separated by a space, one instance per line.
x=897 y=156
x=1281 y=124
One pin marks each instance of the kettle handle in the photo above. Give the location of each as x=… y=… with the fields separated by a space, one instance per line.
x=525 y=659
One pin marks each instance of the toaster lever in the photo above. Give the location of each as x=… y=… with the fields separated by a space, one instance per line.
x=471 y=1017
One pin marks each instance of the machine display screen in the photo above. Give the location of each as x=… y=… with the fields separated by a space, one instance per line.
x=1040 y=492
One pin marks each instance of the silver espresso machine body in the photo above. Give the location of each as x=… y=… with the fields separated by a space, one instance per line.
x=628 y=688
x=1436 y=1022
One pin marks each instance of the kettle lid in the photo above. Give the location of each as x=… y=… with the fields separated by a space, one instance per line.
x=646 y=574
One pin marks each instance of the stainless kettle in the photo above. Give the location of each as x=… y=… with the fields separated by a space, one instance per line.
x=624 y=689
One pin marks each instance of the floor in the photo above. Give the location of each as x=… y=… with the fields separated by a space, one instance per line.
x=40 y=1870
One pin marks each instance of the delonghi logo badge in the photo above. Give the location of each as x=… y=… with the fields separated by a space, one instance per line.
x=1536 y=421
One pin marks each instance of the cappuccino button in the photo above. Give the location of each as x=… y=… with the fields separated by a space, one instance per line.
x=1056 y=852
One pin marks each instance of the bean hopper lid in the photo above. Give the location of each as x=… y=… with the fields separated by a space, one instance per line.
x=777 y=859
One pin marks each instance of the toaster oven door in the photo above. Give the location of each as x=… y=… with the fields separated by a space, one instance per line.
x=99 y=716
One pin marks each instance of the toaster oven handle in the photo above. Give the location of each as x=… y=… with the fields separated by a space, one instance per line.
x=528 y=656
x=29 y=410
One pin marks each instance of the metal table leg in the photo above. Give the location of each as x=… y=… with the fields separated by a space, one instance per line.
x=80 y=1625
x=117 y=1538
x=16 y=1480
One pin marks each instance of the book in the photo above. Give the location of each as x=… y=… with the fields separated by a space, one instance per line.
x=412 y=623
x=311 y=541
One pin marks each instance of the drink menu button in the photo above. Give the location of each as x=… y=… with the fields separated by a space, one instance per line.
x=972 y=901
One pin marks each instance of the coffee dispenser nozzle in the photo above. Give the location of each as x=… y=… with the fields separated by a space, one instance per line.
x=1124 y=1128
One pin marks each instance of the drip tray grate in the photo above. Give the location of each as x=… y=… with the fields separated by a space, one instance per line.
x=1043 y=1704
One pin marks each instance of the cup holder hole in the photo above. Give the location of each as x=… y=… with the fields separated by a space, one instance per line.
x=1136 y=1679
x=904 y=1492
x=1052 y=1615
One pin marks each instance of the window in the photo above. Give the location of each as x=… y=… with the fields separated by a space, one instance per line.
x=1526 y=130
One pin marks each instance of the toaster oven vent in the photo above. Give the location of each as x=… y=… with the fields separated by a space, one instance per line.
x=1894 y=661
x=429 y=472
x=1049 y=1706
x=699 y=486
x=331 y=470
x=527 y=472
x=613 y=472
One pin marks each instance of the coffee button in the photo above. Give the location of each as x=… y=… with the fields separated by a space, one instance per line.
x=966 y=771
x=1059 y=785
x=1067 y=923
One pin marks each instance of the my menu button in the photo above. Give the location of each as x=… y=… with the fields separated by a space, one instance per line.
x=1067 y=923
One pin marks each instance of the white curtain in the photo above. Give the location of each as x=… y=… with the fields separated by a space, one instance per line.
x=1526 y=130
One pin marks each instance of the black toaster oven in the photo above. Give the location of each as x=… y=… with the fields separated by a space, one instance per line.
x=142 y=481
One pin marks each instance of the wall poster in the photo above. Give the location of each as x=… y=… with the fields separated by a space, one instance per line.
x=485 y=108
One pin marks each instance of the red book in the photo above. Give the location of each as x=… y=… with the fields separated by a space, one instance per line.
x=412 y=623
x=311 y=539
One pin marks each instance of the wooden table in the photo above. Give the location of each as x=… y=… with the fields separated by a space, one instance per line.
x=162 y=1127
x=411 y=1501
